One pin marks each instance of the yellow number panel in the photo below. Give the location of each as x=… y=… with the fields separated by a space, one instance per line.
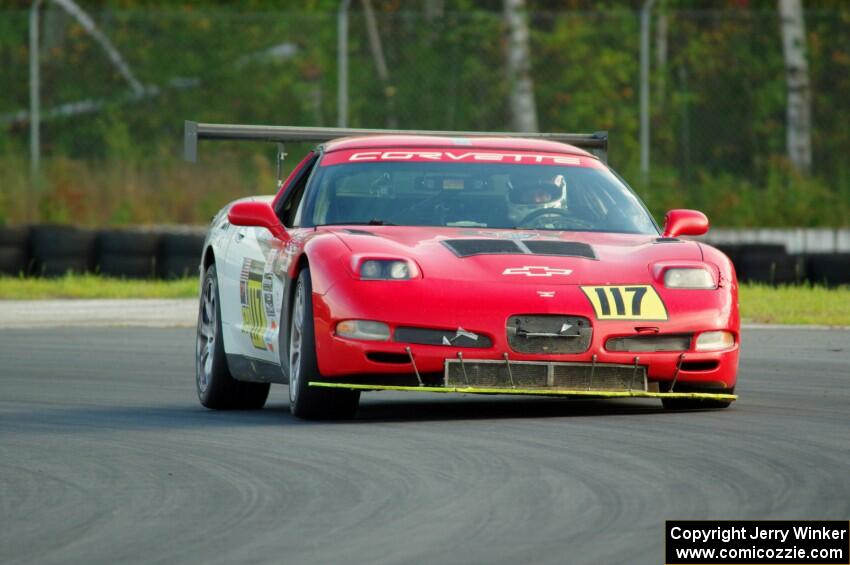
x=627 y=302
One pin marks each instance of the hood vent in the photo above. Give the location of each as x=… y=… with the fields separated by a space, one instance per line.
x=358 y=232
x=560 y=248
x=470 y=247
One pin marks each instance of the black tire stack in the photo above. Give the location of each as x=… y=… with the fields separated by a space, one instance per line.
x=768 y=263
x=57 y=250
x=175 y=252
x=128 y=254
x=828 y=268
x=180 y=254
x=14 y=250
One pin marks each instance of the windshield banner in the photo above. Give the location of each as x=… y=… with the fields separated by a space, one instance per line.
x=458 y=156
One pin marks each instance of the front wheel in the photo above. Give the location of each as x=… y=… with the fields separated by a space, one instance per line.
x=305 y=401
x=215 y=385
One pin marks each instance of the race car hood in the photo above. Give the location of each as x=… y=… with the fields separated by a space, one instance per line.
x=519 y=256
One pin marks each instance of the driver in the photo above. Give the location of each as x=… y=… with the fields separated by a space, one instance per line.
x=527 y=195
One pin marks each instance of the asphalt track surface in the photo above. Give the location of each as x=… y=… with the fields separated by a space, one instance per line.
x=106 y=456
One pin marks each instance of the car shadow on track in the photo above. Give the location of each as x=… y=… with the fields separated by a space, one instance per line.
x=92 y=418
x=74 y=419
x=498 y=408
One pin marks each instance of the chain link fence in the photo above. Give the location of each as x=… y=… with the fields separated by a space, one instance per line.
x=717 y=99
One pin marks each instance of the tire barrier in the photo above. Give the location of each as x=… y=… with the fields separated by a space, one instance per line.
x=14 y=250
x=169 y=253
x=57 y=250
x=180 y=255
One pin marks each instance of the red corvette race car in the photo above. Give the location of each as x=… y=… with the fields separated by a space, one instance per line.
x=457 y=262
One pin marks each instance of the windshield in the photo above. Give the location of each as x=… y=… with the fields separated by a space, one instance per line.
x=492 y=195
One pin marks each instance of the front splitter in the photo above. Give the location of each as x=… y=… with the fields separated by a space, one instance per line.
x=535 y=392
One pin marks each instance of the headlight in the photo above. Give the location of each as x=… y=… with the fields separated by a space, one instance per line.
x=385 y=269
x=715 y=341
x=363 y=329
x=689 y=278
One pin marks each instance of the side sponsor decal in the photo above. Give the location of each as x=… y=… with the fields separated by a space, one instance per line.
x=254 y=319
x=627 y=302
x=271 y=299
x=261 y=294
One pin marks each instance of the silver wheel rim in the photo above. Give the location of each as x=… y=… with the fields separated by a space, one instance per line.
x=206 y=335
x=296 y=339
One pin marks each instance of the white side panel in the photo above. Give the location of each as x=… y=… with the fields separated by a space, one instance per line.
x=251 y=290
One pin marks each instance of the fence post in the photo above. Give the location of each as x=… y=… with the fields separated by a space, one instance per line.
x=35 y=88
x=645 y=14
x=342 y=63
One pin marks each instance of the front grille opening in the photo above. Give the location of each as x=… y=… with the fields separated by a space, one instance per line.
x=649 y=343
x=600 y=377
x=469 y=247
x=700 y=365
x=496 y=374
x=454 y=338
x=532 y=374
x=559 y=248
x=549 y=334
x=392 y=358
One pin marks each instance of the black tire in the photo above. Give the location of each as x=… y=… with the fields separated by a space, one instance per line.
x=126 y=266
x=179 y=255
x=178 y=266
x=674 y=404
x=216 y=387
x=127 y=242
x=306 y=402
x=58 y=241
x=59 y=249
x=13 y=260
x=765 y=263
x=60 y=266
x=771 y=269
x=828 y=268
x=182 y=244
x=14 y=236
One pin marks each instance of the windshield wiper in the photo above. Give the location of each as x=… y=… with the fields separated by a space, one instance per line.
x=372 y=222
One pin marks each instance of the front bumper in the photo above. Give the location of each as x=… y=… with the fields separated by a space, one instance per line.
x=588 y=394
x=486 y=310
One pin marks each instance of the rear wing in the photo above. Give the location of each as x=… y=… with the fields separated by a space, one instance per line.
x=595 y=143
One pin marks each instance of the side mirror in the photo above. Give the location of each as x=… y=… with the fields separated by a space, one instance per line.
x=685 y=222
x=258 y=215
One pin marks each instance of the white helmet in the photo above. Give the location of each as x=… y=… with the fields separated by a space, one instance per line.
x=526 y=195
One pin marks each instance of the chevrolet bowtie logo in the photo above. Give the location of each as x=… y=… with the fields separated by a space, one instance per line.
x=535 y=271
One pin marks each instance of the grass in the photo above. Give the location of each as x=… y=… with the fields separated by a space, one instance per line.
x=804 y=304
x=759 y=303
x=94 y=286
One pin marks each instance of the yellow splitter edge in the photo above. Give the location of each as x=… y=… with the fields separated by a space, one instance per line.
x=535 y=392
